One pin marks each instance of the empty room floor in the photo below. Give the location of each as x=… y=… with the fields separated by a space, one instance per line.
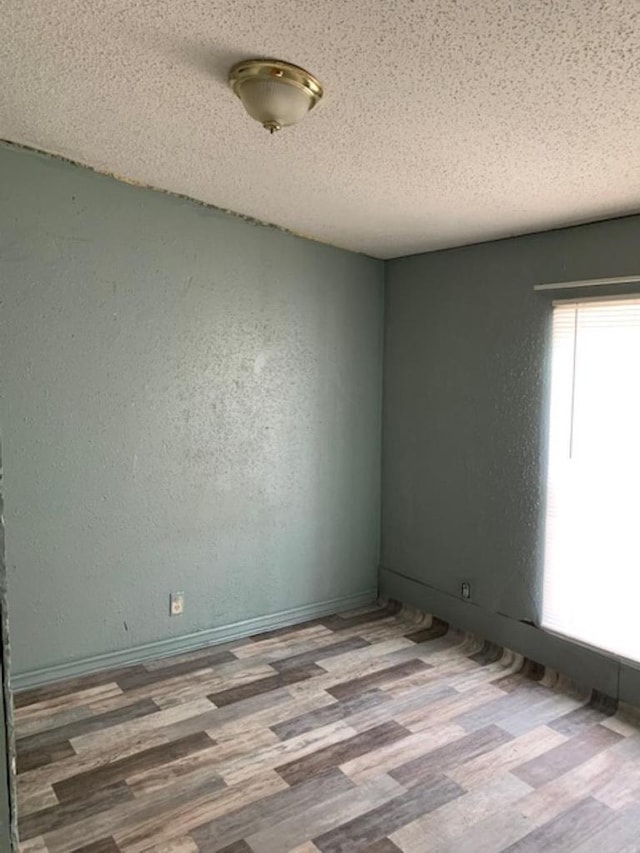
x=374 y=730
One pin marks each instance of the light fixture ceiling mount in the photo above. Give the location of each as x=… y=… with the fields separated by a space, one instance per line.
x=273 y=92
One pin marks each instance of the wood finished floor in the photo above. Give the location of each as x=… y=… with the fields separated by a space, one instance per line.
x=366 y=731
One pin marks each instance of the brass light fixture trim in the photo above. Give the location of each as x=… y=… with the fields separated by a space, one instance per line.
x=279 y=106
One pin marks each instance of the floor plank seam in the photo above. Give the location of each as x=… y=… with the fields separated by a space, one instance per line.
x=384 y=729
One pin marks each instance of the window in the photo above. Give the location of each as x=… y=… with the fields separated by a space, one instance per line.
x=591 y=588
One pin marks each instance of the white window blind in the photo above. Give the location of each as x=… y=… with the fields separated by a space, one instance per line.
x=591 y=588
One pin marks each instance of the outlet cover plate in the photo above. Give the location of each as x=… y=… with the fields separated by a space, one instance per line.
x=176 y=604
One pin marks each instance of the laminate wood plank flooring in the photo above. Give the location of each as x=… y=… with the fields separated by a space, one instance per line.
x=379 y=730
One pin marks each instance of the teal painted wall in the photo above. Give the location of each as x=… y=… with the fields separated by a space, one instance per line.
x=464 y=431
x=8 y=829
x=190 y=401
x=5 y=819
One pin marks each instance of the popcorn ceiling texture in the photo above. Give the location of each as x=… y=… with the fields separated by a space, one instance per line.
x=444 y=123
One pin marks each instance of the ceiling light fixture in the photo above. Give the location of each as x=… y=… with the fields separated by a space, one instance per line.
x=273 y=92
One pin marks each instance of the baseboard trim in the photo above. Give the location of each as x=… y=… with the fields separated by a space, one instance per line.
x=191 y=642
x=586 y=665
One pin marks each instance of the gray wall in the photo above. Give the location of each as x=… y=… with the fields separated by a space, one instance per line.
x=8 y=830
x=5 y=819
x=190 y=402
x=464 y=424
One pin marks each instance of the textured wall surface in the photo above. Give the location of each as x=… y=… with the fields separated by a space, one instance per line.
x=465 y=400
x=190 y=402
x=7 y=742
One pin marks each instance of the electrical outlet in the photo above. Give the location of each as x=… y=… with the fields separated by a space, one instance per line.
x=176 y=604
x=465 y=590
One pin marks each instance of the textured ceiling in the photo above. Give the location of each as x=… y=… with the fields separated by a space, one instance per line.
x=443 y=123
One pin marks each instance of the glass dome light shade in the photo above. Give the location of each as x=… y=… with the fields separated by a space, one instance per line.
x=275 y=93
